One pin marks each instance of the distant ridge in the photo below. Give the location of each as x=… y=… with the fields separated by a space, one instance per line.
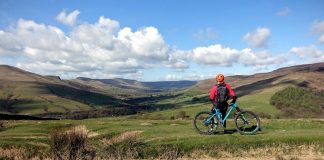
x=310 y=74
x=315 y=67
x=134 y=84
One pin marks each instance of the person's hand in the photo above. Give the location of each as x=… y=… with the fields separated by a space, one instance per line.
x=234 y=99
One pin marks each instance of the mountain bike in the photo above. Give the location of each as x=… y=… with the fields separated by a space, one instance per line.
x=246 y=122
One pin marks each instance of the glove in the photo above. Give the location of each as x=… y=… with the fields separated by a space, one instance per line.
x=234 y=99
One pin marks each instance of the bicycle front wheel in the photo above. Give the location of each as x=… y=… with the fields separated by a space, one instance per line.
x=247 y=122
x=201 y=125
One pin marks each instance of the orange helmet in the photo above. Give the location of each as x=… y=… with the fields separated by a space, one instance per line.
x=220 y=78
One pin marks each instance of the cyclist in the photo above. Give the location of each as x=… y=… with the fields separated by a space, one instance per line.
x=220 y=94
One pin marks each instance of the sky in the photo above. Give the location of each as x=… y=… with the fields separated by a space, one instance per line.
x=159 y=40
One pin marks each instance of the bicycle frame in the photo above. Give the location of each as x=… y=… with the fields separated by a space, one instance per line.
x=217 y=112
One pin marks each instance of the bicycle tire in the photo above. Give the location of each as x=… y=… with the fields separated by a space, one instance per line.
x=199 y=124
x=247 y=117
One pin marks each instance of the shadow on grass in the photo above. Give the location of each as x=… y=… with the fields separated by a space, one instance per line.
x=227 y=131
x=82 y=95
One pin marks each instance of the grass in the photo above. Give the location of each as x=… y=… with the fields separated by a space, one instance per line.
x=299 y=102
x=260 y=101
x=32 y=98
x=34 y=135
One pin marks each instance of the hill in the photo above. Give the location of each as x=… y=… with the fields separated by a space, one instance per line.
x=255 y=91
x=307 y=75
x=23 y=92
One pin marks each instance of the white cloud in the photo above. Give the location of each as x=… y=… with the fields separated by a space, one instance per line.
x=173 y=77
x=145 y=43
x=285 y=12
x=260 y=59
x=309 y=53
x=100 y=34
x=196 y=77
x=178 y=59
x=225 y=56
x=205 y=34
x=68 y=19
x=190 y=77
x=215 y=55
x=321 y=39
x=180 y=65
x=258 y=38
x=97 y=48
x=318 y=28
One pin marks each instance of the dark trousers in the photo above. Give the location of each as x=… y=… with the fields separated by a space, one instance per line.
x=222 y=108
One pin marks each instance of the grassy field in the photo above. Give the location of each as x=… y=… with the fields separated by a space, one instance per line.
x=165 y=138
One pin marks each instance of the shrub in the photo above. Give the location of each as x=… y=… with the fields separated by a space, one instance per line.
x=299 y=102
x=71 y=144
x=155 y=116
x=1 y=125
x=170 y=152
x=125 y=146
x=182 y=115
x=264 y=115
x=195 y=99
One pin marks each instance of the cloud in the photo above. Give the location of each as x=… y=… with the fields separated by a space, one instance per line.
x=309 y=53
x=285 y=12
x=214 y=55
x=318 y=28
x=145 y=43
x=99 y=34
x=205 y=34
x=191 y=77
x=173 y=77
x=68 y=19
x=178 y=59
x=180 y=65
x=225 y=56
x=101 y=48
x=260 y=59
x=321 y=39
x=258 y=38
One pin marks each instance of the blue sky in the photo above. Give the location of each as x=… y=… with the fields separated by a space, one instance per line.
x=159 y=40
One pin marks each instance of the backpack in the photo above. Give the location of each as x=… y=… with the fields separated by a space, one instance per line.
x=222 y=93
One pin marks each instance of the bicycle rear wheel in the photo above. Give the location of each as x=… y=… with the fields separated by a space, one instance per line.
x=201 y=125
x=247 y=123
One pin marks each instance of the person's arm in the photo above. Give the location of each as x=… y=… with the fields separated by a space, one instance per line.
x=212 y=93
x=231 y=93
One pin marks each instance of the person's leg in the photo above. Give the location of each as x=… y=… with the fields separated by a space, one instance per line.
x=212 y=109
x=223 y=111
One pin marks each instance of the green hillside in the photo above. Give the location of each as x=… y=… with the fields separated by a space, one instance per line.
x=22 y=92
x=299 y=102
